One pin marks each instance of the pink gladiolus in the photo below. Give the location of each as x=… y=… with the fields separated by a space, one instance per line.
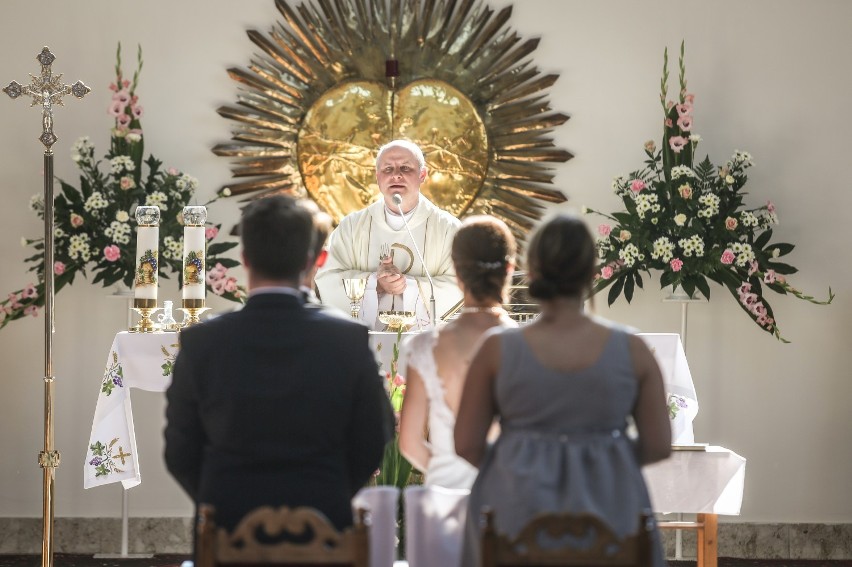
x=29 y=292
x=770 y=207
x=113 y=87
x=684 y=109
x=137 y=111
x=112 y=253
x=115 y=109
x=121 y=96
x=58 y=268
x=606 y=272
x=31 y=310
x=676 y=264
x=753 y=267
x=211 y=232
x=769 y=276
x=677 y=143
x=728 y=256
x=231 y=285
x=398 y=380
x=123 y=119
x=689 y=98
x=669 y=122
x=604 y=229
x=637 y=185
x=685 y=123
x=218 y=287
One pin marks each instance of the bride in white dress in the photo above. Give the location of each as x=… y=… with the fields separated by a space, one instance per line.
x=483 y=255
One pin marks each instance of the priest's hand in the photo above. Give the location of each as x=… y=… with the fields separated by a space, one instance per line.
x=389 y=279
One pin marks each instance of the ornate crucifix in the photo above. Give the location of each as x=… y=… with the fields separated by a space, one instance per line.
x=47 y=90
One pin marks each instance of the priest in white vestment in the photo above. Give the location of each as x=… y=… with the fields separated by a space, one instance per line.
x=356 y=246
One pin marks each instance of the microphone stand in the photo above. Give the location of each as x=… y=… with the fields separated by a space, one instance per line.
x=433 y=311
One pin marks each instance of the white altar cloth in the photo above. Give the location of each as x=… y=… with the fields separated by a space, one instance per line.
x=135 y=360
x=697 y=482
x=677 y=379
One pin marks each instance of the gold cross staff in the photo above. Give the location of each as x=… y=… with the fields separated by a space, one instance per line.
x=47 y=90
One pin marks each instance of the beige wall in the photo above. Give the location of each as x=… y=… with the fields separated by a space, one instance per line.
x=770 y=77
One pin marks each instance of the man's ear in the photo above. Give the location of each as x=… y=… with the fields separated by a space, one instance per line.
x=243 y=259
x=423 y=173
x=321 y=258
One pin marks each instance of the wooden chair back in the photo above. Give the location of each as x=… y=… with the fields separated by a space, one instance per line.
x=551 y=540
x=259 y=539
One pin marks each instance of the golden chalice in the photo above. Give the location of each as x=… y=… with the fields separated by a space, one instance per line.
x=397 y=320
x=355 y=289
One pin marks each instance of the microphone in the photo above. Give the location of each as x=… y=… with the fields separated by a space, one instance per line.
x=397 y=200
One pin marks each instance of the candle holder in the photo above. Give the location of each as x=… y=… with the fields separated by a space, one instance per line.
x=355 y=289
x=145 y=307
x=192 y=308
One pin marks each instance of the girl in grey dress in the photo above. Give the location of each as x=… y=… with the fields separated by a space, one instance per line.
x=564 y=389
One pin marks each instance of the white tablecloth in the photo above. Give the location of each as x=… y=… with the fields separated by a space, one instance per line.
x=680 y=390
x=697 y=482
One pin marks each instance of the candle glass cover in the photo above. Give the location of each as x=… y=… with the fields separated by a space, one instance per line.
x=194 y=253
x=147 y=254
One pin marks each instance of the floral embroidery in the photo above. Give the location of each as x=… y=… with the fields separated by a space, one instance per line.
x=676 y=403
x=170 y=357
x=104 y=458
x=113 y=376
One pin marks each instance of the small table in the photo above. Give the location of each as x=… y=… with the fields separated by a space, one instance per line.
x=697 y=479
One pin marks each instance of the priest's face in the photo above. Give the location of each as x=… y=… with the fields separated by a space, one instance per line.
x=399 y=173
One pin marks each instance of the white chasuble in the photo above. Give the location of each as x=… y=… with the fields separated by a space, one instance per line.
x=355 y=248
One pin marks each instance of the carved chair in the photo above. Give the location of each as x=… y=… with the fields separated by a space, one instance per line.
x=258 y=539
x=592 y=543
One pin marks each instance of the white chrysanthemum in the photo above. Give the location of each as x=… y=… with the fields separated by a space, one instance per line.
x=682 y=171
x=58 y=232
x=119 y=164
x=82 y=145
x=663 y=249
x=748 y=219
x=37 y=203
x=644 y=203
x=157 y=199
x=618 y=183
x=743 y=158
x=95 y=202
x=711 y=205
x=692 y=246
x=78 y=247
x=629 y=254
x=172 y=249
x=119 y=232
x=189 y=181
x=743 y=251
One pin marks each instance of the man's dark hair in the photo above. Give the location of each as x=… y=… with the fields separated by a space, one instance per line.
x=277 y=235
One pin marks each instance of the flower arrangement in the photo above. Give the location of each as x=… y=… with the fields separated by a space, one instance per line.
x=690 y=223
x=95 y=223
x=395 y=469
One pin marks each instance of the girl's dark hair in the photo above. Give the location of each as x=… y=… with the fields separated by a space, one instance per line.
x=561 y=259
x=482 y=249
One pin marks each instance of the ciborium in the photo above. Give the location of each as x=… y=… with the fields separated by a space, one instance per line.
x=397 y=320
x=355 y=289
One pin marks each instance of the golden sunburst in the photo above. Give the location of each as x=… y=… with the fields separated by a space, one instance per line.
x=336 y=80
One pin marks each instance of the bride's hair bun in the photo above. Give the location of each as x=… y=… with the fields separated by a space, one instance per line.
x=482 y=250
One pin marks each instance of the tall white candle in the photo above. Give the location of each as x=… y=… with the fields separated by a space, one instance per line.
x=194 y=252
x=147 y=252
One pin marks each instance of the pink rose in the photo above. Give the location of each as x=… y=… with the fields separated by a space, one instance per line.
x=637 y=185
x=604 y=229
x=211 y=232
x=677 y=143
x=731 y=223
x=728 y=256
x=58 y=268
x=685 y=123
x=76 y=220
x=112 y=253
x=684 y=109
x=231 y=285
x=676 y=264
x=606 y=272
x=31 y=310
x=685 y=191
x=126 y=183
x=173 y=171
x=770 y=207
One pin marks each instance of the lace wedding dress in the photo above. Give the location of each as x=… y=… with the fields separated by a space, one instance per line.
x=446 y=469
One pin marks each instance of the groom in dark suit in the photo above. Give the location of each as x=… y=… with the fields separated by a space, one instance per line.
x=276 y=404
